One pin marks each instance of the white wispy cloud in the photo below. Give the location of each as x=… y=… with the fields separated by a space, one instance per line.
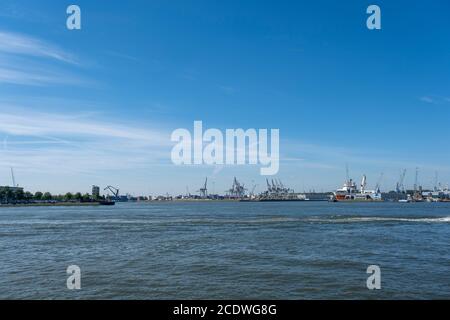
x=427 y=99
x=84 y=143
x=227 y=89
x=122 y=56
x=15 y=43
x=38 y=77
x=28 y=61
x=435 y=99
x=29 y=123
x=12 y=76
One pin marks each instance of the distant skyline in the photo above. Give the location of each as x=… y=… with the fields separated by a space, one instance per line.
x=97 y=106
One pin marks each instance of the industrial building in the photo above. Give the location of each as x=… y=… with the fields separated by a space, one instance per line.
x=95 y=192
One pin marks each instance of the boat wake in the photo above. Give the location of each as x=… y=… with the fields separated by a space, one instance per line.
x=382 y=219
x=243 y=220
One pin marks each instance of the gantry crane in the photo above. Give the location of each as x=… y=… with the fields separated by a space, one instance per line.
x=114 y=191
x=204 y=190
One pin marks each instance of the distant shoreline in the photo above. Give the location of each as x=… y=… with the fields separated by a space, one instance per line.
x=56 y=204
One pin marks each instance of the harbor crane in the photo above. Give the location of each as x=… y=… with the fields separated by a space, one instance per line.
x=204 y=190
x=114 y=191
x=252 y=193
x=275 y=188
x=378 y=185
x=237 y=189
x=363 y=183
x=281 y=185
x=416 y=180
x=13 y=179
x=436 y=181
x=269 y=187
x=400 y=188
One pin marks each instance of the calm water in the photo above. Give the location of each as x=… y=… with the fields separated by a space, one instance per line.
x=227 y=250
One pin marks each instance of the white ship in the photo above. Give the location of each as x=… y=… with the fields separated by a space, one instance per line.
x=350 y=192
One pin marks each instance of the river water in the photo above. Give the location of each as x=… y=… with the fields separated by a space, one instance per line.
x=226 y=250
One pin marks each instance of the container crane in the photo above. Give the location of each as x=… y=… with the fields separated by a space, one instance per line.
x=114 y=191
x=416 y=180
x=378 y=185
x=204 y=190
x=400 y=184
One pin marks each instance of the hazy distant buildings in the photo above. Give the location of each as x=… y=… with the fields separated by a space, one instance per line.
x=12 y=189
x=95 y=192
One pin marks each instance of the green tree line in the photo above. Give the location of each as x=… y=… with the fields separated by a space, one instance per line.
x=8 y=195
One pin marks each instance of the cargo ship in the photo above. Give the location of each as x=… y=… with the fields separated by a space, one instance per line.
x=350 y=192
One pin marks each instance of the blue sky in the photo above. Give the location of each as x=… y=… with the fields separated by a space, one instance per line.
x=97 y=106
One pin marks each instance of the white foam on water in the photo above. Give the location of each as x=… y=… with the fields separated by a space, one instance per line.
x=206 y=220
x=384 y=219
x=147 y=221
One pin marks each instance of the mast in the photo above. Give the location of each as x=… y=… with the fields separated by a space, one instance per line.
x=416 y=179
x=346 y=172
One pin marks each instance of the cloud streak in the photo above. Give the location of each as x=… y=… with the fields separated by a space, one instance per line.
x=427 y=99
x=33 y=124
x=18 y=44
x=60 y=152
x=29 y=61
x=435 y=100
